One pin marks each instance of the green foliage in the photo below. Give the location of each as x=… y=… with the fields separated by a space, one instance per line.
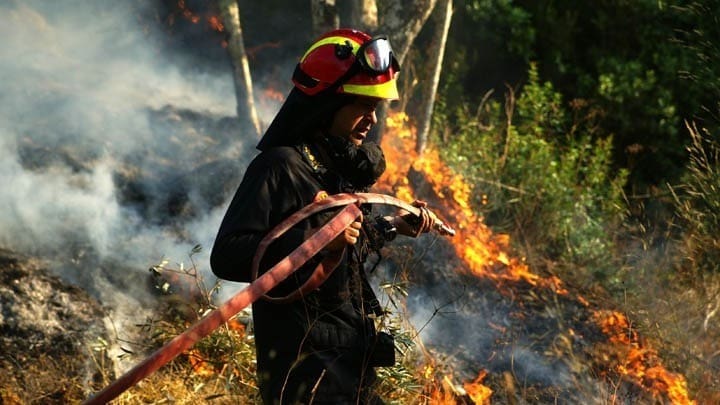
x=498 y=14
x=701 y=41
x=539 y=108
x=402 y=381
x=636 y=61
x=539 y=176
x=490 y=42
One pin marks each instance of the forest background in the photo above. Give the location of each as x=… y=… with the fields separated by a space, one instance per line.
x=603 y=123
x=588 y=131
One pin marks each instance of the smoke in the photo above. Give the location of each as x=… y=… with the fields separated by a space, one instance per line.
x=117 y=153
x=45 y=208
x=90 y=153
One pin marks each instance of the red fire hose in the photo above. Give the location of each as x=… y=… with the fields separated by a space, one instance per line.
x=266 y=282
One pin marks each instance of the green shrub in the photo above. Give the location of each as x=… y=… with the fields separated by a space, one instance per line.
x=540 y=172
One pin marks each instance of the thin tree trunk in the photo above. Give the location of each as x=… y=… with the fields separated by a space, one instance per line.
x=442 y=16
x=509 y=110
x=364 y=16
x=402 y=21
x=246 y=112
x=325 y=16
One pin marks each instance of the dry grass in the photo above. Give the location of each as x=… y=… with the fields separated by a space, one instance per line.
x=220 y=369
x=45 y=380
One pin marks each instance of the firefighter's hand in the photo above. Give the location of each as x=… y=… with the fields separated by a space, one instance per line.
x=426 y=220
x=348 y=237
x=415 y=225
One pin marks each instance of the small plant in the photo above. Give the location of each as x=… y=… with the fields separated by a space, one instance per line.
x=402 y=383
x=220 y=367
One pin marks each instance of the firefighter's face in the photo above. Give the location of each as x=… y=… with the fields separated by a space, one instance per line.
x=355 y=120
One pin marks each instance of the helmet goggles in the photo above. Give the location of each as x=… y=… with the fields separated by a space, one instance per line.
x=376 y=56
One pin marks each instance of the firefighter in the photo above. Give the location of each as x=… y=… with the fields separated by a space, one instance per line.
x=322 y=348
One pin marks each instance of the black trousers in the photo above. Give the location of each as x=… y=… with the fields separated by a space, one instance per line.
x=330 y=376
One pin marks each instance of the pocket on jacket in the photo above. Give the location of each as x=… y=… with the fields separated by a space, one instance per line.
x=327 y=336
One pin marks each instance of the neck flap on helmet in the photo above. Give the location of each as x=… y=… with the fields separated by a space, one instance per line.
x=301 y=117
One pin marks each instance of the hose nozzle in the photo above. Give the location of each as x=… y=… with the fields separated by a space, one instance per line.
x=444 y=229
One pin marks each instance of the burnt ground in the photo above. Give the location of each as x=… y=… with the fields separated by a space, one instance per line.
x=51 y=335
x=537 y=346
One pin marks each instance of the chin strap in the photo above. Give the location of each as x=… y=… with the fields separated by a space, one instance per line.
x=267 y=281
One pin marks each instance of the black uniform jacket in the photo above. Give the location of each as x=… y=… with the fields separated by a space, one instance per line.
x=321 y=340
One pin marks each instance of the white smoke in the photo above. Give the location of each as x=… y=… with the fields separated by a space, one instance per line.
x=77 y=79
x=44 y=208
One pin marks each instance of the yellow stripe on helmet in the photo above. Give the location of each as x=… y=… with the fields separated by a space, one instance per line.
x=387 y=90
x=332 y=40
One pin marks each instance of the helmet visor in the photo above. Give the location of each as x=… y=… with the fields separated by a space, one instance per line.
x=376 y=56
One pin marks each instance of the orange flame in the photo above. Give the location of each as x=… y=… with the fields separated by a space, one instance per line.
x=198 y=363
x=189 y=15
x=213 y=21
x=483 y=251
x=235 y=325
x=445 y=392
x=641 y=363
x=216 y=23
x=273 y=94
x=477 y=392
x=485 y=255
x=197 y=359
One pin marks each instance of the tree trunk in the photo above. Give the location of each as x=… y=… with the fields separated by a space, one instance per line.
x=364 y=16
x=402 y=21
x=241 y=69
x=442 y=17
x=325 y=16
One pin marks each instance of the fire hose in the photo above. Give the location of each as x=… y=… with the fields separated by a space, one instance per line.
x=267 y=281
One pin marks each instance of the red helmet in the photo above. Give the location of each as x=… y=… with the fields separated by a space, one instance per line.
x=349 y=62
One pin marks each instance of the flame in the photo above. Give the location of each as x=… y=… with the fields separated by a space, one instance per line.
x=216 y=23
x=444 y=392
x=486 y=256
x=198 y=363
x=213 y=21
x=273 y=94
x=640 y=363
x=475 y=243
x=478 y=393
x=189 y=15
x=237 y=326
